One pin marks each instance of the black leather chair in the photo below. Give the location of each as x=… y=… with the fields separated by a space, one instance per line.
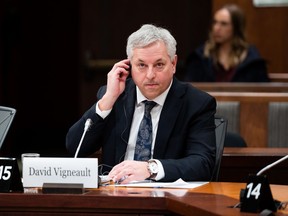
x=234 y=140
x=220 y=131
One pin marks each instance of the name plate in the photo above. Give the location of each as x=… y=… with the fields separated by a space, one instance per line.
x=39 y=170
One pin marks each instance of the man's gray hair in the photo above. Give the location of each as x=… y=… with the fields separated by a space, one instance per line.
x=149 y=34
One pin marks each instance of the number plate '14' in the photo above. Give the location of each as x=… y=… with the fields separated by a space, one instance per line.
x=257 y=196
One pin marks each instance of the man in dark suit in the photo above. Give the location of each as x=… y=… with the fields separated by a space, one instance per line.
x=183 y=134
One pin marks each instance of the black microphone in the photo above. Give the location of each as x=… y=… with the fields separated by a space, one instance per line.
x=88 y=123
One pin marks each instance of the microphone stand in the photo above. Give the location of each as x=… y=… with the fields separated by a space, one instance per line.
x=88 y=123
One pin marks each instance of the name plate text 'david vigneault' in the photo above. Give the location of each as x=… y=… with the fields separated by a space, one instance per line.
x=40 y=170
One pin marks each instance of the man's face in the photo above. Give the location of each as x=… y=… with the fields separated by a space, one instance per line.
x=222 y=30
x=152 y=69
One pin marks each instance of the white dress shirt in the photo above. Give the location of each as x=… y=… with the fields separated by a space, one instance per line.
x=137 y=117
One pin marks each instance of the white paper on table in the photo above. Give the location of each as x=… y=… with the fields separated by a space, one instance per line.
x=176 y=184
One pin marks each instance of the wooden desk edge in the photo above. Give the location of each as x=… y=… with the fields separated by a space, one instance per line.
x=215 y=198
x=254 y=151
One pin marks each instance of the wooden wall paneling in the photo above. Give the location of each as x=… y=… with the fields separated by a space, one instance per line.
x=254 y=113
x=253 y=127
x=242 y=87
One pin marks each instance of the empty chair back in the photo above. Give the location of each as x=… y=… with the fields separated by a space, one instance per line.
x=220 y=132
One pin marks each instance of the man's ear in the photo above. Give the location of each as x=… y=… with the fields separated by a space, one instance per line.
x=174 y=63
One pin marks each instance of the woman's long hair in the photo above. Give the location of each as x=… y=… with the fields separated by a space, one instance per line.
x=239 y=43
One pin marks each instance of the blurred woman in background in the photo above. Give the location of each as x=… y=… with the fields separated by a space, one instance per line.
x=226 y=56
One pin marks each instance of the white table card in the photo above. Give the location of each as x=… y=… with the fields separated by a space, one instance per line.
x=37 y=171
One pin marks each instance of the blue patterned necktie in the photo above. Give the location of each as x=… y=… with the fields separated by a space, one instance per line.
x=144 y=138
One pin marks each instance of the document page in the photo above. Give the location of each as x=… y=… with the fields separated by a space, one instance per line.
x=152 y=184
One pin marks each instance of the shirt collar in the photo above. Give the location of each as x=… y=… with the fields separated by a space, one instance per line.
x=159 y=100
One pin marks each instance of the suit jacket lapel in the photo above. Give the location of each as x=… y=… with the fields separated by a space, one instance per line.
x=126 y=111
x=169 y=114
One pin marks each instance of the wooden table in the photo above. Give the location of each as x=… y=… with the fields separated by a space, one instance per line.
x=238 y=163
x=214 y=198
